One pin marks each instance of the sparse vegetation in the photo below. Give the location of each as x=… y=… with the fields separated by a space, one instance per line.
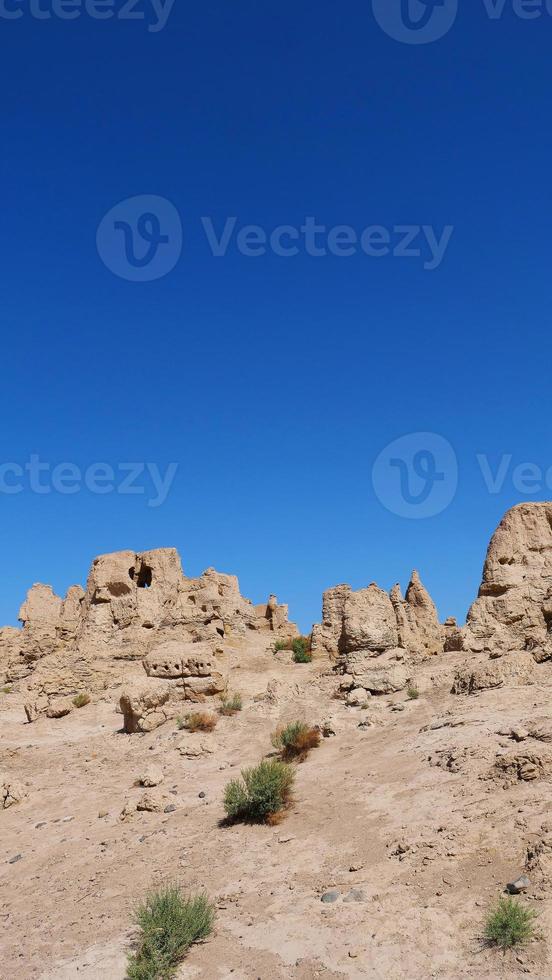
x=413 y=692
x=294 y=741
x=509 y=924
x=169 y=924
x=298 y=645
x=231 y=705
x=7 y=689
x=301 y=650
x=198 y=721
x=81 y=700
x=261 y=794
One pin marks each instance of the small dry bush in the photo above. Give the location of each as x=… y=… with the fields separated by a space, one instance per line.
x=81 y=700
x=261 y=794
x=231 y=705
x=169 y=923
x=199 y=721
x=294 y=741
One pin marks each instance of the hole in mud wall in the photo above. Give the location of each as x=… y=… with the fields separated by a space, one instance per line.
x=144 y=577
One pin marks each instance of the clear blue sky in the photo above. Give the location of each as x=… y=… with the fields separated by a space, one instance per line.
x=274 y=382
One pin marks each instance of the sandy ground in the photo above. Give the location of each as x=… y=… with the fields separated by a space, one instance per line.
x=415 y=818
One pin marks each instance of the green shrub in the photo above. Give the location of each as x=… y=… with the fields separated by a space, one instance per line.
x=413 y=692
x=7 y=689
x=281 y=645
x=169 y=924
x=296 y=740
x=81 y=700
x=509 y=923
x=301 y=650
x=261 y=793
x=231 y=705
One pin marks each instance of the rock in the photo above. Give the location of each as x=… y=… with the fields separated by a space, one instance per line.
x=15 y=859
x=176 y=659
x=34 y=708
x=145 y=708
x=326 y=636
x=366 y=722
x=329 y=897
x=59 y=709
x=419 y=630
x=149 y=804
x=355 y=895
x=202 y=795
x=513 y=610
x=519 y=734
x=541 y=655
x=11 y=792
x=369 y=622
x=170 y=808
x=194 y=749
x=521 y=884
x=385 y=674
x=525 y=765
x=357 y=697
x=151 y=777
x=328 y=728
x=370 y=619
x=453 y=636
x=512 y=669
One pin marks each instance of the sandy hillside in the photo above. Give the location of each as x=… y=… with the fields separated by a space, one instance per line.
x=402 y=811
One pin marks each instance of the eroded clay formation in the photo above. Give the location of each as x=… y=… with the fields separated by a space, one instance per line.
x=141 y=607
x=136 y=607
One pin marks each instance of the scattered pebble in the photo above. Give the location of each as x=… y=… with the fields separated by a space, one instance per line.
x=521 y=884
x=15 y=859
x=331 y=896
x=355 y=895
